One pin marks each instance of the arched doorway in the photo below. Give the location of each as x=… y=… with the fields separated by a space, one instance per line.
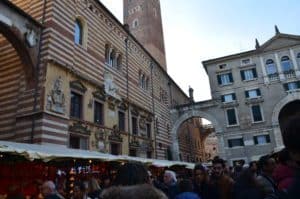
x=194 y=140
x=289 y=110
x=13 y=83
x=19 y=43
x=182 y=122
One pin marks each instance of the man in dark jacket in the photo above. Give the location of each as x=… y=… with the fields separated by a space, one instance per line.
x=222 y=185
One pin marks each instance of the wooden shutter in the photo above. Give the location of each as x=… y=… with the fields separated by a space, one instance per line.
x=285 y=86
x=233 y=96
x=247 y=94
x=219 y=79
x=222 y=98
x=255 y=140
x=258 y=92
x=254 y=72
x=242 y=75
x=230 y=77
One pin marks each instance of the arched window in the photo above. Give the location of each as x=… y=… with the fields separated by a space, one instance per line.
x=140 y=78
x=107 y=53
x=143 y=81
x=286 y=64
x=119 y=62
x=78 y=34
x=270 y=67
x=112 y=58
x=147 y=84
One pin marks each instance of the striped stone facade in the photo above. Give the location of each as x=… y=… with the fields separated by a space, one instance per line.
x=40 y=113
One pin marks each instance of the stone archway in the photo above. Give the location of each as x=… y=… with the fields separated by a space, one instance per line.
x=182 y=119
x=291 y=97
x=23 y=32
x=20 y=36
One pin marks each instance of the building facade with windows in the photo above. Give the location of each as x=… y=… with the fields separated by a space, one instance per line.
x=256 y=92
x=96 y=86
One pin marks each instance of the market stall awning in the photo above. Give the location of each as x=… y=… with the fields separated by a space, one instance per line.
x=47 y=153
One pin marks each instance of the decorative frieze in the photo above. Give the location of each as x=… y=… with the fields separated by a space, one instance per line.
x=100 y=94
x=77 y=85
x=115 y=135
x=134 y=143
x=79 y=127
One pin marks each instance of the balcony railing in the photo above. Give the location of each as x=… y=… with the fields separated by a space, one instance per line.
x=289 y=74
x=273 y=77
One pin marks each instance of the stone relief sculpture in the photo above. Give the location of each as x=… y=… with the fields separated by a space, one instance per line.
x=56 y=98
x=110 y=87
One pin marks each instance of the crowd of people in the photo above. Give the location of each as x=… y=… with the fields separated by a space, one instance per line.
x=268 y=178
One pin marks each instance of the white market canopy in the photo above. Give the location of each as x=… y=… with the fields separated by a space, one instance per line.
x=47 y=153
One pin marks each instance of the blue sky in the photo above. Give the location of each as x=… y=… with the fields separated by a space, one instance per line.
x=197 y=30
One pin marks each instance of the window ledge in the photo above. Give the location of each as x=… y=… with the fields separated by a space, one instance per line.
x=231 y=126
x=264 y=144
x=258 y=122
x=221 y=71
x=247 y=65
x=222 y=85
x=236 y=147
x=293 y=91
x=254 y=100
x=229 y=104
x=249 y=80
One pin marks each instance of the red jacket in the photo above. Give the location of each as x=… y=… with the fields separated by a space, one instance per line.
x=283 y=176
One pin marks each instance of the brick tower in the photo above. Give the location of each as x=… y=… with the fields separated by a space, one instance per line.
x=144 y=20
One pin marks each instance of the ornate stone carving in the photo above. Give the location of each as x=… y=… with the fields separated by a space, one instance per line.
x=134 y=143
x=100 y=94
x=31 y=38
x=149 y=119
x=124 y=104
x=112 y=102
x=80 y=128
x=100 y=134
x=135 y=112
x=111 y=88
x=56 y=98
x=77 y=85
x=115 y=135
x=142 y=123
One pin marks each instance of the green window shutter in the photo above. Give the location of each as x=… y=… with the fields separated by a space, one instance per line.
x=255 y=140
x=247 y=94
x=219 y=79
x=222 y=98
x=254 y=72
x=233 y=96
x=258 y=92
x=230 y=77
x=242 y=75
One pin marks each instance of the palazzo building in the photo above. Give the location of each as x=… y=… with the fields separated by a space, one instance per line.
x=255 y=92
x=93 y=85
